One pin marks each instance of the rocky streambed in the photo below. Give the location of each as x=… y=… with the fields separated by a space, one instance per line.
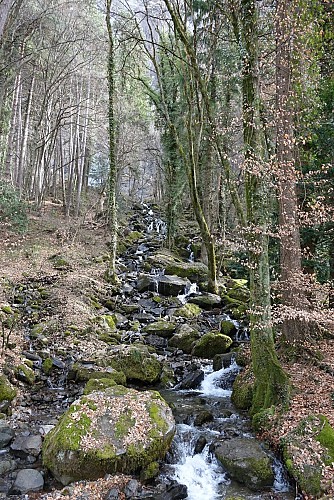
x=88 y=391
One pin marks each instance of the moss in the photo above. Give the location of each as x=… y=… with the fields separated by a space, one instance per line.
x=124 y=423
x=242 y=393
x=261 y=421
x=7 y=309
x=227 y=327
x=7 y=391
x=100 y=384
x=210 y=344
x=188 y=311
x=47 y=365
x=326 y=439
x=25 y=374
x=161 y=327
x=150 y=472
x=160 y=423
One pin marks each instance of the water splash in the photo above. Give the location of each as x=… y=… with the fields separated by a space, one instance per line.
x=192 y=289
x=210 y=385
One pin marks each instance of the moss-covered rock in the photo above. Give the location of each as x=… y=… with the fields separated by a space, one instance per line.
x=242 y=393
x=60 y=262
x=161 y=328
x=188 y=311
x=206 y=300
x=98 y=384
x=246 y=462
x=25 y=374
x=194 y=271
x=185 y=338
x=306 y=451
x=210 y=344
x=7 y=391
x=82 y=374
x=47 y=365
x=117 y=430
x=227 y=327
x=136 y=362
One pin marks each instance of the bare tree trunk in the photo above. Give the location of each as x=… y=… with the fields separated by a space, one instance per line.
x=24 y=143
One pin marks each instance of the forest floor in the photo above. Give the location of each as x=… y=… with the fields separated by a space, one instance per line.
x=83 y=242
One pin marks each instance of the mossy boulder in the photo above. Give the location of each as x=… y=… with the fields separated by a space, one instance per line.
x=185 y=338
x=117 y=430
x=307 y=449
x=25 y=374
x=188 y=311
x=98 y=384
x=47 y=366
x=60 y=262
x=7 y=391
x=82 y=373
x=210 y=344
x=194 y=271
x=246 y=462
x=227 y=327
x=161 y=328
x=243 y=387
x=136 y=362
x=206 y=300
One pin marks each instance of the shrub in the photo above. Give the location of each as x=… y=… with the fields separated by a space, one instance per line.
x=12 y=209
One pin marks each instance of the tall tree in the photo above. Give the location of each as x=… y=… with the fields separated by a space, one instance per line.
x=112 y=201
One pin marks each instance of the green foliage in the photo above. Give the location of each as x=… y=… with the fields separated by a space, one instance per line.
x=12 y=209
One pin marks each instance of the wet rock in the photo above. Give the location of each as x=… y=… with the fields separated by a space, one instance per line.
x=172 y=285
x=172 y=491
x=200 y=445
x=206 y=300
x=191 y=380
x=185 y=338
x=162 y=328
x=246 y=462
x=222 y=360
x=136 y=362
x=147 y=282
x=202 y=417
x=24 y=445
x=210 y=344
x=7 y=466
x=6 y=434
x=27 y=480
x=118 y=430
x=156 y=341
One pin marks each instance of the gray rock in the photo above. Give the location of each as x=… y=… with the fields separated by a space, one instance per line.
x=172 y=285
x=28 y=480
x=191 y=380
x=206 y=300
x=27 y=445
x=7 y=466
x=246 y=462
x=6 y=434
x=222 y=360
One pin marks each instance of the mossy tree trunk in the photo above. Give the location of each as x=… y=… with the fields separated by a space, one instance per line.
x=271 y=383
x=112 y=201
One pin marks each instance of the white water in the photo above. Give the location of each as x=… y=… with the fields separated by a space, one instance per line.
x=210 y=384
x=193 y=289
x=200 y=473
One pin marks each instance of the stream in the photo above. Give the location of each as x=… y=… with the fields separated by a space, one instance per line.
x=203 y=413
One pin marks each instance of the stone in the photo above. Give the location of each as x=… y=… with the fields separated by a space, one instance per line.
x=7 y=466
x=227 y=327
x=156 y=341
x=99 y=384
x=27 y=445
x=191 y=380
x=7 y=391
x=82 y=373
x=202 y=417
x=161 y=327
x=243 y=389
x=210 y=344
x=117 y=430
x=170 y=285
x=246 y=462
x=188 y=311
x=206 y=300
x=194 y=271
x=6 y=434
x=200 y=445
x=27 y=480
x=185 y=338
x=25 y=374
x=147 y=282
x=136 y=362
x=222 y=360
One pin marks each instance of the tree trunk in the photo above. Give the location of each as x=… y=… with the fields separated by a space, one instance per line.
x=112 y=202
x=271 y=383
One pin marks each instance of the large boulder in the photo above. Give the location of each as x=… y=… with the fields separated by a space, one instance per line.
x=194 y=271
x=206 y=300
x=185 y=338
x=210 y=344
x=246 y=462
x=188 y=311
x=136 y=362
x=172 y=285
x=306 y=450
x=116 y=430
